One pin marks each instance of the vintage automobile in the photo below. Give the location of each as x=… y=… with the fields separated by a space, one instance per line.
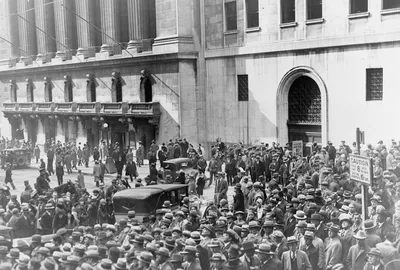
x=18 y=157
x=173 y=166
x=146 y=200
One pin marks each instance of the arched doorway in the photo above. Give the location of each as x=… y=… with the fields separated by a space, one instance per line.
x=304 y=123
x=302 y=111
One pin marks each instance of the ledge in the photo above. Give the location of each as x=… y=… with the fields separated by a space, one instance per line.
x=359 y=15
x=288 y=25
x=390 y=11
x=231 y=32
x=315 y=21
x=253 y=29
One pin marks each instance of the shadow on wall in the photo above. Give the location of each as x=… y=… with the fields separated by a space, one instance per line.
x=169 y=128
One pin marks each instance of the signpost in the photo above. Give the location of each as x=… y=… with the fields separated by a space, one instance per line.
x=297 y=148
x=361 y=170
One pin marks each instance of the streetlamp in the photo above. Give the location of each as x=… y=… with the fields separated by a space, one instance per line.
x=105 y=126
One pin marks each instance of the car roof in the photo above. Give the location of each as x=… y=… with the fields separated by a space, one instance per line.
x=146 y=191
x=178 y=160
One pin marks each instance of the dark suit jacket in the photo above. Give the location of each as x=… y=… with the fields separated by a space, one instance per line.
x=313 y=256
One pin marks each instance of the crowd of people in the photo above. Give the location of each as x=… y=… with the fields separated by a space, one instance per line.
x=286 y=212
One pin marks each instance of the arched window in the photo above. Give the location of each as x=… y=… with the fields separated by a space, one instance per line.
x=68 y=91
x=48 y=90
x=146 y=87
x=13 y=91
x=116 y=87
x=29 y=90
x=90 y=88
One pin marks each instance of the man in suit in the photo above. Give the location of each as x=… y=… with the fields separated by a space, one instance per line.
x=26 y=223
x=320 y=232
x=346 y=234
x=333 y=247
x=189 y=258
x=311 y=250
x=290 y=221
x=374 y=260
x=46 y=220
x=357 y=255
x=248 y=259
x=295 y=258
x=268 y=258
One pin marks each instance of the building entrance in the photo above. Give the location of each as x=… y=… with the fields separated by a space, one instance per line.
x=304 y=106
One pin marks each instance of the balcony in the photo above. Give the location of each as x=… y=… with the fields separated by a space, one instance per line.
x=114 y=108
x=45 y=107
x=27 y=107
x=10 y=106
x=67 y=107
x=140 y=109
x=89 y=108
x=144 y=109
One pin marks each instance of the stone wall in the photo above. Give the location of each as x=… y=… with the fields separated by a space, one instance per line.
x=342 y=70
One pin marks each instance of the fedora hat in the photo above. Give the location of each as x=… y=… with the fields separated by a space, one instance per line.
x=248 y=245
x=189 y=250
x=360 y=235
x=334 y=228
x=176 y=258
x=49 y=264
x=214 y=243
x=49 y=206
x=170 y=242
x=375 y=252
x=145 y=257
x=253 y=224
x=316 y=217
x=369 y=224
x=291 y=240
x=311 y=227
x=217 y=257
x=300 y=215
x=121 y=264
x=14 y=254
x=105 y=264
x=163 y=251
x=233 y=263
x=309 y=235
x=92 y=254
x=264 y=249
x=72 y=260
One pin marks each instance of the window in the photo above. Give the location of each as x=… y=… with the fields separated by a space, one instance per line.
x=68 y=93
x=358 y=6
x=314 y=9
x=29 y=91
x=243 y=87
x=389 y=4
x=374 y=84
x=48 y=90
x=231 y=16
x=13 y=91
x=252 y=13
x=288 y=11
x=90 y=88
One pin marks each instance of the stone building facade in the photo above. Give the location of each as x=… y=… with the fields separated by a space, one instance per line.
x=91 y=70
x=239 y=70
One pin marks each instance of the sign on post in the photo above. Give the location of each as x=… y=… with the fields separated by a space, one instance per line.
x=297 y=148
x=361 y=169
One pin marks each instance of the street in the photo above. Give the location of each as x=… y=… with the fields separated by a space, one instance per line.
x=31 y=173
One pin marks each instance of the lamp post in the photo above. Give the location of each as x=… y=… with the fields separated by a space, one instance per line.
x=105 y=127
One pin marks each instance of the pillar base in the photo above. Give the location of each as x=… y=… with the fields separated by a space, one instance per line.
x=24 y=61
x=107 y=48
x=63 y=55
x=135 y=46
x=44 y=58
x=86 y=52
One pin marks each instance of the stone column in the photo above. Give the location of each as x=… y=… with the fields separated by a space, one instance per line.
x=86 y=31
x=26 y=29
x=65 y=28
x=110 y=26
x=25 y=127
x=45 y=32
x=41 y=136
x=60 y=136
x=13 y=24
x=138 y=16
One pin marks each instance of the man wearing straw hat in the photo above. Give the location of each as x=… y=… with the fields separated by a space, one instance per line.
x=374 y=260
x=357 y=255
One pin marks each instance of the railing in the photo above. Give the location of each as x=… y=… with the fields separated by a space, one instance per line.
x=66 y=107
x=45 y=107
x=27 y=107
x=10 y=106
x=114 y=108
x=90 y=107
x=150 y=108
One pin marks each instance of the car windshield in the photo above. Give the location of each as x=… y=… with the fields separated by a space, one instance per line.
x=123 y=205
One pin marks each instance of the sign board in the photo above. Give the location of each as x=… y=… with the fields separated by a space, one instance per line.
x=361 y=169
x=297 y=148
